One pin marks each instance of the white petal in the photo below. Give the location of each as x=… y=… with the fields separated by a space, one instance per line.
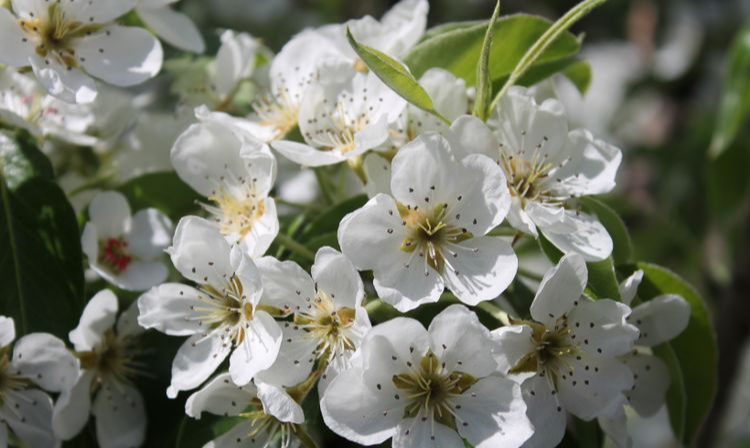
x=150 y=234
x=480 y=269
x=174 y=27
x=285 y=283
x=378 y=172
x=472 y=136
x=196 y=360
x=629 y=287
x=7 y=331
x=123 y=56
x=101 y=11
x=660 y=319
x=592 y=166
x=98 y=317
x=601 y=327
x=278 y=403
x=595 y=385
x=513 y=342
x=15 y=48
x=615 y=427
x=364 y=234
x=551 y=219
x=45 y=360
x=220 y=397
x=650 y=384
x=519 y=219
x=493 y=414
x=460 y=341
x=168 y=308
x=110 y=213
x=545 y=413
x=72 y=86
x=561 y=287
x=421 y=432
x=408 y=282
x=239 y=436
x=29 y=415
x=306 y=155
x=485 y=198
x=359 y=411
x=292 y=365
x=263 y=231
x=90 y=243
x=127 y=323
x=235 y=60
x=448 y=94
x=139 y=275
x=259 y=349
x=590 y=239
x=421 y=167
x=73 y=407
x=120 y=416
x=200 y=253
x=30 y=8
x=403 y=25
x=334 y=274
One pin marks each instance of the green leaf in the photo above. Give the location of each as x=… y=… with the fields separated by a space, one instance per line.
x=163 y=190
x=457 y=49
x=676 y=391
x=41 y=264
x=484 y=80
x=328 y=221
x=623 y=246
x=579 y=73
x=735 y=102
x=395 y=75
x=694 y=349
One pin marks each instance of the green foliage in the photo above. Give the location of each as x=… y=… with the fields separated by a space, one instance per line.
x=164 y=191
x=484 y=80
x=623 y=247
x=41 y=266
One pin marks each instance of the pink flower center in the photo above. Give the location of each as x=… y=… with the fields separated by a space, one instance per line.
x=114 y=254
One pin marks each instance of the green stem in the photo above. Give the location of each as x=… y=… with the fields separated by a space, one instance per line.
x=541 y=45
x=99 y=181
x=495 y=311
x=325 y=186
x=530 y=275
x=502 y=231
x=295 y=247
x=311 y=206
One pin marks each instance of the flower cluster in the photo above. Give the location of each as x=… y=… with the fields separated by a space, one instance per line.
x=268 y=322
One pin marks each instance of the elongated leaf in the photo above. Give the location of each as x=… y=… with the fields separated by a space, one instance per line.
x=164 y=191
x=328 y=221
x=457 y=49
x=41 y=265
x=694 y=349
x=484 y=80
x=395 y=75
x=735 y=102
x=676 y=392
x=579 y=73
x=623 y=246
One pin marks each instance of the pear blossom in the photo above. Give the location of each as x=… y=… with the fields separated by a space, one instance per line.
x=427 y=388
x=567 y=356
x=222 y=315
x=172 y=26
x=658 y=320
x=328 y=322
x=432 y=232
x=108 y=350
x=125 y=250
x=68 y=43
x=547 y=167
x=236 y=174
x=267 y=411
x=38 y=362
x=341 y=119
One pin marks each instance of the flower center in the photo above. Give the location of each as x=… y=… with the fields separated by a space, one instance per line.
x=340 y=133
x=113 y=253
x=429 y=233
x=278 y=112
x=267 y=427
x=114 y=358
x=9 y=379
x=429 y=387
x=328 y=325
x=551 y=346
x=236 y=213
x=55 y=35
x=227 y=308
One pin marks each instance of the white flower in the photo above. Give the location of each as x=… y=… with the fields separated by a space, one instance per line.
x=125 y=249
x=236 y=175
x=658 y=321
x=221 y=314
x=427 y=388
x=329 y=320
x=272 y=413
x=66 y=43
x=431 y=233
x=174 y=27
x=568 y=353
x=235 y=61
x=343 y=118
x=38 y=361
x=24 y=103
x=107 y=347
x=547 y=167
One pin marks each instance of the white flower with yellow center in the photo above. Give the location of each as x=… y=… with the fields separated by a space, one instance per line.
x=222 y=314
x=567 y=356
x=66 y=43
x=107 y=348
x=126 y=250
x=658 y=320
x=427 y=388
x=341 y=119
x=236 y=174
x=172 y=26
x=546 y=167
x=37 y=362
x=328 y=322
x=431 y=233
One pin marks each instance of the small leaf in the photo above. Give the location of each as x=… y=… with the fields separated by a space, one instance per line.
x=395 y=75
x=164 y=191
x=484 y=81
x=735 y=102
x=579 y=73
x=623 y=246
